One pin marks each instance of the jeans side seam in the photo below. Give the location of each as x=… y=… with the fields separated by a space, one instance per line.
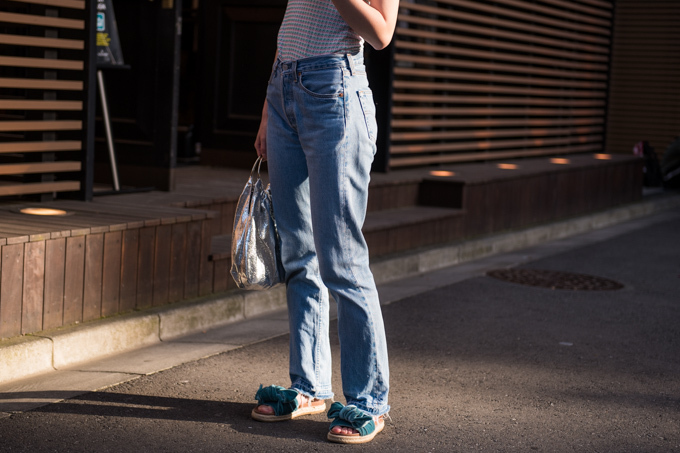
x=345 y=204
x=317 y=348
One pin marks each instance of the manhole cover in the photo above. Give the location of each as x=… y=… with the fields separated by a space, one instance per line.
x=555 y=279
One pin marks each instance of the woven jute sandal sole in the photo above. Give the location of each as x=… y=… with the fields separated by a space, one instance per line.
x=356 y=438
x=299 y=412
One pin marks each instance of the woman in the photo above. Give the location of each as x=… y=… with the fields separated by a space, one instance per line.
x=318 y=133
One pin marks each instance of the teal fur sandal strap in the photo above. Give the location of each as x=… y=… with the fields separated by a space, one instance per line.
x=351 y=417
x=285 y=403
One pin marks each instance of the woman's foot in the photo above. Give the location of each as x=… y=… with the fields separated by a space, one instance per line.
x=303 y=401
x=352 y=426
x=278 y=404
x=346 y=431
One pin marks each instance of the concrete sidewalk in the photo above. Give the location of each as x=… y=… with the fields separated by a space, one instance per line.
x=477 y=364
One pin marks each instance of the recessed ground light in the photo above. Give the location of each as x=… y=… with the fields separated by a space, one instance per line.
x=603 y=156
x=442 y=173
x=559 y=161
x=507 y=166
x=43 y=211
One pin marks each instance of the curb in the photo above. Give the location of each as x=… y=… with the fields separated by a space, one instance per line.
x=103 y=337
x=22 y=357
x=438 y=257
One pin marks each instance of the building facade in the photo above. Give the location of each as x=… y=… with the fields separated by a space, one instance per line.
x=493 y=115
x=463 y=81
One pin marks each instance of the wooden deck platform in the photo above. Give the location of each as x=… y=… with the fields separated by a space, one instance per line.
x=137 y=250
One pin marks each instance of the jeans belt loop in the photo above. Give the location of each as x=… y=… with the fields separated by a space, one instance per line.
x=294 y=67
x=350 y=60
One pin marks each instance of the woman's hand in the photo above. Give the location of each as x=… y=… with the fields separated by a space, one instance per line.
x=374 y=21
x=261 y=139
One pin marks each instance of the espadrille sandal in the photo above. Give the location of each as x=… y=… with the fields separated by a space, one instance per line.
x=351 y=417
x=285 y=403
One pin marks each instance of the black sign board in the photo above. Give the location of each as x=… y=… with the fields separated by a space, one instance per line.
x=108 y=43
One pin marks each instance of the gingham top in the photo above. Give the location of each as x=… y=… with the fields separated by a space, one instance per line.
x=315 y=27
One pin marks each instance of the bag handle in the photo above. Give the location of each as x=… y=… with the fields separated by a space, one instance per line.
x=258 y=164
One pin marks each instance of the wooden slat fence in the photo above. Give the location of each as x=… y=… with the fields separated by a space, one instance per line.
x=477 y=80
x=644 y=98
x=103 y=259
x=43 y=59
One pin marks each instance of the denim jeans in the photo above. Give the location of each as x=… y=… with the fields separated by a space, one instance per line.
x=321 y=137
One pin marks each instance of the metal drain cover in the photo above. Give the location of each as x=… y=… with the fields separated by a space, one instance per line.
x=555 y=279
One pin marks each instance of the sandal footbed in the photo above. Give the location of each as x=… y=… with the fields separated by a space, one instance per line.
x=356 y=438
x=299 y=412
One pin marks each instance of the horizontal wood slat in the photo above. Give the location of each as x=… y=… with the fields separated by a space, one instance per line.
x=35 y=41
x=495 y=55
x=38 y=187
x=490 y=145
x=40 y=105
x=456 y=28
x=42 y=84
x=32 y=147
x=576 y=6
x=496 y=133
x=73 y=4
x=493 y=67
x=485 y=111
x=499 y=78
x=498 y=100
x=59 y=125
x=507 y=78
x=495 y=122
x=39 y=167
x=46 y=63
x=495 y=155
x=600 y=3
x=493 y=89
x=43 y=21
x=529 y=47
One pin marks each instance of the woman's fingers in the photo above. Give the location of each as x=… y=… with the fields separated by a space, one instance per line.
x=261 y=148
x=261 y=143
x=261 y=139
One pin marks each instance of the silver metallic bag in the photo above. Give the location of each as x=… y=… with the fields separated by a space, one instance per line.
x=255 y=243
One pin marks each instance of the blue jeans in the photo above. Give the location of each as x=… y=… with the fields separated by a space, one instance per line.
x=320 y=145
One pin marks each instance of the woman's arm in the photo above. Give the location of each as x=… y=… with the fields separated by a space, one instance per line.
x=374 y=21
x=261 y=138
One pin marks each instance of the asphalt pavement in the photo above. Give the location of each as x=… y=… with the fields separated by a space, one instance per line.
x=477 y=364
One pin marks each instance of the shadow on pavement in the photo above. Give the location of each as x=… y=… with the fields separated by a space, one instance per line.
x=235 y=415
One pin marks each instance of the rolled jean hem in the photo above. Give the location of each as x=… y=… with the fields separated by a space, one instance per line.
x=322 y=394
x=374 y=412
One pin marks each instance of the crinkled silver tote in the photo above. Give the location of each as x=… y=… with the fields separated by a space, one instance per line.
x=255 y=243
